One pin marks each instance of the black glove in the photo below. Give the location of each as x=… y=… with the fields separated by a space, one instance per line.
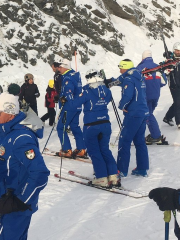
x=63 y=100
x=10 y=203
x=107 y=81
x=170 y=54
x=56 y=98
x=166 y=198
x=37 y=95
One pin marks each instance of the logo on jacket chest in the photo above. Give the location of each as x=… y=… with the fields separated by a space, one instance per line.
x=2 y=150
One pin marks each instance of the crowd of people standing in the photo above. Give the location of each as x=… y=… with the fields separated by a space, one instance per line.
x=23 y=171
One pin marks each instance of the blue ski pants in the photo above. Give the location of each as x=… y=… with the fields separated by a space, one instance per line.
x=14 y=227
x=133 y=130
x=72 y=120
x=97 y=142
x=151 y=121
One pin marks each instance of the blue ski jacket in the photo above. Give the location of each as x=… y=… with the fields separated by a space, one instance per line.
x=133 y=93
x=71 y=83
x=95 y=102
x=154 y=81
x=22 y=167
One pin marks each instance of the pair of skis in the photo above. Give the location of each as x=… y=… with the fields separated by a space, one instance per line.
x=55 y=154
x=119 y=190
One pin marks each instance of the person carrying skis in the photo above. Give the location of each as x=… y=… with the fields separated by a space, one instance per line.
x=23 y=173
x=71 y=82
x=29 y=92
x=49 y=103
x=97 y=127
x=134 y=106
x=174 y=86
x=154 y=81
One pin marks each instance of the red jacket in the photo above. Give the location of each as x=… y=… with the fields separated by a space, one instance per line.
x=49 y=97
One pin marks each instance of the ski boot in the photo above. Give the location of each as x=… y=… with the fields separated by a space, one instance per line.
x=159 y=141
x=79 y=153
x=101 y=182
x=168 y=121
x=114 y=181
x=138 y=172
x=65 y=154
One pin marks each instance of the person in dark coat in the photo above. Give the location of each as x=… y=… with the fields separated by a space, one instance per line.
x=49 y=103
x=174 y=86
x=29 y=92
x=57 y=78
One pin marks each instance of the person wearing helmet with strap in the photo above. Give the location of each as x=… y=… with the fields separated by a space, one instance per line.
x=71 y=82
x=49 y=103
x=97 y=128
x=29 y=92
x=174 y=85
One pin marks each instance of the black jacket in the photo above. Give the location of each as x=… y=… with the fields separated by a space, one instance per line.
x=57 y=82
x=174 y=78
x=29 y=92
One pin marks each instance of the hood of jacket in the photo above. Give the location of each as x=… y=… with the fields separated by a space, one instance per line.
x=20 y=121
x=99 y=89
x=133 y=73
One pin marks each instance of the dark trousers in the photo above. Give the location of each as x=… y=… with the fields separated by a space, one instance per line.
x=34 y=108
x=174 y=110
x=51 y=113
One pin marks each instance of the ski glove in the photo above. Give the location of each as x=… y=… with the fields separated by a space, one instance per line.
x=10 y=203
x=56 y=98
x=107 y=81
x=166 y=198
x=63 y=100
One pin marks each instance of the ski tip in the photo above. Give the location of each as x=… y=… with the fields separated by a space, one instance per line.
x=71 y=172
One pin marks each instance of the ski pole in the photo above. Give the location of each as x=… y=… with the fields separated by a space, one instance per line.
x=53 y=128
x=167 y=219
x=64 y=129
x=103 y=75
x=116 y=113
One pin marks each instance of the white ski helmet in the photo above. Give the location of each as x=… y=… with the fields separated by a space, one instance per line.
x=176 y=46
x=93 y=76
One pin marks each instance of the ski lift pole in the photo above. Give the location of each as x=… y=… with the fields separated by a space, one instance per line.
x=167 y=219
x=75 y=55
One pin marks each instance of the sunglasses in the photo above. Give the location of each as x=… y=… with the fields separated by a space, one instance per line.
x=90 y=75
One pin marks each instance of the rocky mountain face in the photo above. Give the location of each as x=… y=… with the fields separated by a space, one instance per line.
x=39 y=29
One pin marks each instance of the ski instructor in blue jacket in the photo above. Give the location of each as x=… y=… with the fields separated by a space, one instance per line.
x=134 y=106
x=23 y=173
x=71 y=82
x=154 y=82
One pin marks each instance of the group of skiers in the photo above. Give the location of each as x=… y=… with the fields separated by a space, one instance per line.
x=23 y=172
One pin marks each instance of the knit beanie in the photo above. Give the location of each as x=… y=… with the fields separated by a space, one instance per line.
x=14 y=89
x=146 y=53
x=9 y=103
